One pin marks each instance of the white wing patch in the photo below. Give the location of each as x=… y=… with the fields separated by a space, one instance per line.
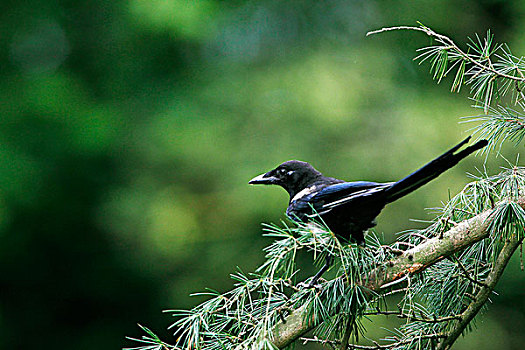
x=305 y=192
x=344 y=200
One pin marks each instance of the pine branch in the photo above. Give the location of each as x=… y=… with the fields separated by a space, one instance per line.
x=410 y=262
x=425 y=319
x=482 y=296
x=447 y=41
x=490 y=69
x=467 y=251
x=376 y=346
x=268 y=311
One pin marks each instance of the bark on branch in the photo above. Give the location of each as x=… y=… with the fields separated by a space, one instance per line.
x=410 y=262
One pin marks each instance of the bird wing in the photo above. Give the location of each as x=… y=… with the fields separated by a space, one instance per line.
x=344 y=193
x=326 y=198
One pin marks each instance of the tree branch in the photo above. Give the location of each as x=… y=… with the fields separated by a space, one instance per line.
x=410 y=262
x=447 y=41
x=376 y=346
x=484 y=293
x=425 y=319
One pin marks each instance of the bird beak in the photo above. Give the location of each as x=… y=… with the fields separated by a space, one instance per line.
x=263 y=179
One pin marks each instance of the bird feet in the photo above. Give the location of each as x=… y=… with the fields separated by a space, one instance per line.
x=313 y=281
x=313 y=284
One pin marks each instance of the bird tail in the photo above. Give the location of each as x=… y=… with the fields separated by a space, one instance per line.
x=431 y=170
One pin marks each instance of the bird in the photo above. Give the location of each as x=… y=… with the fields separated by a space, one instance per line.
x=350 y=208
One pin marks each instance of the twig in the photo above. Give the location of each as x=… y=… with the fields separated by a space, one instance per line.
x=408 y=244
x=411 y=261
x=447 y=41
x=377 y=346
x=394 y=291
x=400 y=314
x=394 y=251
x=482 y=296
x=521 y=257
x=467 y=274
x=424 y=238
x=348 y=332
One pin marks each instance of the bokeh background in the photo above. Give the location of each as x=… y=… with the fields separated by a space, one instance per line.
x=129 y=130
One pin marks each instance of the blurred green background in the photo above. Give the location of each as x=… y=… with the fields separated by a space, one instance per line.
x=129 y=130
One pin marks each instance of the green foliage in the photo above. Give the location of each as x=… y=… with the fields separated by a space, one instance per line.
x=129 y=130
x=491 y=71
x=434 y=302
x=440 y=295
x=150 y=341
x=500 y=124
x=245 y=316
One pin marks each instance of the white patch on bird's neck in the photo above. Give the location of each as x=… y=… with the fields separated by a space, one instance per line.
x=304 y=192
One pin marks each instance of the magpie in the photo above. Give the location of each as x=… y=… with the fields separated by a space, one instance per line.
x=350 y=208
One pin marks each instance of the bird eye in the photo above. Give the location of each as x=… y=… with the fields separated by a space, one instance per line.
x=282 y=171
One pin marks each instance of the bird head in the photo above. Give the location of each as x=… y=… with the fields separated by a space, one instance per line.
x=292 y=175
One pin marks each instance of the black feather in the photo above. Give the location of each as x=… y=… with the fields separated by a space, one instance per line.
x=350 y=208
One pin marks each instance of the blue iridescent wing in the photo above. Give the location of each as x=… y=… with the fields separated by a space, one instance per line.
x=344 y=193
